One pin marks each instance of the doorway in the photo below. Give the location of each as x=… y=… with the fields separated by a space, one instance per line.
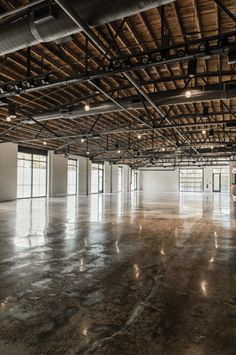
x=216 y=182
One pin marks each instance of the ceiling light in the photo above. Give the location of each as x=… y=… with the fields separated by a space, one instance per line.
x=163 y=149
x=181 y=53
x=192 y=68
x=223 y=42
x=139 y=136
x=118 y=151
x=211 y=132
x=204 y=46
x=144 y=60
x=157 y=57
x=8 y=119
x=188 y=94
x=11 y=112
x=87 y=152
x=44 y=143
x=212 y=147
x=86 y=107
x=82 y=140
x=203 y=131
x=232 y=55
x=205 y=113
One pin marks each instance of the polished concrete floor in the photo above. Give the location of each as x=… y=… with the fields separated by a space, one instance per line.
x=128 y=274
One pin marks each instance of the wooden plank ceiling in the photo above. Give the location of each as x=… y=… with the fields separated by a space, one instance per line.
x=131 y=142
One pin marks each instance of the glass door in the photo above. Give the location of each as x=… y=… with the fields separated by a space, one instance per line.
x=216 y=182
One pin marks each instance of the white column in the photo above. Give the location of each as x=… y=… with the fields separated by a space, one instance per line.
x=114 y=178
x=107 y=177
x=8 y=171
x=84 y=176
x=57 y=174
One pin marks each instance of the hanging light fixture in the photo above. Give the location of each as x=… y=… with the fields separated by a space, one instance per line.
x=204 y=131
x=11 y=114
x=118 y=151
x=188 y=94
x=82 y=140
x=44 y=143
x=192 y=68
x=86 y=107
x=205 y=113
x=139 y=136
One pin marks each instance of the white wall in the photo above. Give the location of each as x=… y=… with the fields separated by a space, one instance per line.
x=57 y=174
x=159 y=181
x=8 y=171
x=168 y=181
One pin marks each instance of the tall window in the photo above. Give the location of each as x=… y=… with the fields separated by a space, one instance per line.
x=72 y=177
x=191 y=180
x=134 y=180
x=97 y=172
x=120 y=174
x=31 y=175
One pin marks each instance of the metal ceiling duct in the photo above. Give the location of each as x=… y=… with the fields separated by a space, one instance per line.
x=27 y=31
x=165 y=98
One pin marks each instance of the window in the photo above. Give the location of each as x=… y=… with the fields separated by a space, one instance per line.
x=96 y=178
x=31 y=175
x=191 y=180
x=120 y=174
x=134 y=180
x=72 y=177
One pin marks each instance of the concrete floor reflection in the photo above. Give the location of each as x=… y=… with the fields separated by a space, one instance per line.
x=118 y=274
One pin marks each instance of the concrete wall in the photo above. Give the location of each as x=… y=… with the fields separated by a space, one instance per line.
x=57 y=174
x=8 y=171
x=159 y=181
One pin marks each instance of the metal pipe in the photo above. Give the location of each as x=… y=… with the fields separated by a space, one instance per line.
x=20 y=9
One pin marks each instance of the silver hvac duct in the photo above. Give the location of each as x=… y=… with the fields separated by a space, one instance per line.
x=172 y=97
x=28 y=31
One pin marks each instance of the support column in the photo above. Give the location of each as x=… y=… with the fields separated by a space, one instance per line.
x=8 y=171
x=57 y=174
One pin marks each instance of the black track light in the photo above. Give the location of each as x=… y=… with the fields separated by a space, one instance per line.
x=211 y=133
x=144 y=60
x=223 y=42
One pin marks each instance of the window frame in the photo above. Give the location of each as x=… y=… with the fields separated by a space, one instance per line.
x=32 y=161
